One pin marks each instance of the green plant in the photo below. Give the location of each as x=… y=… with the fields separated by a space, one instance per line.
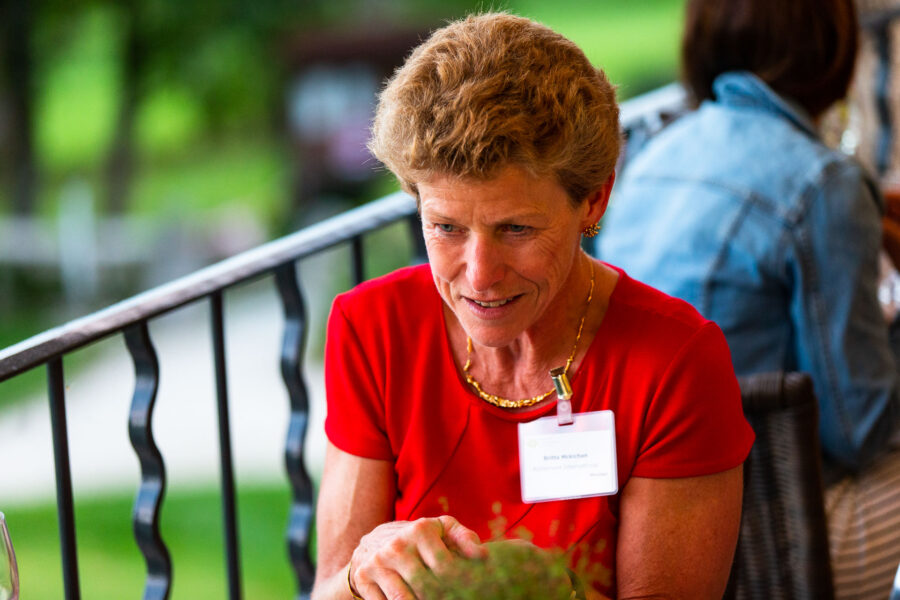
x=513 y=570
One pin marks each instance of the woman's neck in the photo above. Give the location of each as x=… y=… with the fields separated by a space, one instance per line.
x=520 y=369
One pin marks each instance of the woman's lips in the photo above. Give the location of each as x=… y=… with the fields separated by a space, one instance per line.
x=491 y=303
x=491 y=308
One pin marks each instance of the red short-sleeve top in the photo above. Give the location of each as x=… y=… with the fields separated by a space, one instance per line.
x=394 y=393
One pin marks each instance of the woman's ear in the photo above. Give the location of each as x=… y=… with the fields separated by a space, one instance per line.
x=599 y=199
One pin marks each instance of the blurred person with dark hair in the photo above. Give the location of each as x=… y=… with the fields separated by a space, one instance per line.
x=740 y=209
x=445 y=436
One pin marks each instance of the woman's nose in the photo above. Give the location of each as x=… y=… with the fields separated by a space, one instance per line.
x=484 y=264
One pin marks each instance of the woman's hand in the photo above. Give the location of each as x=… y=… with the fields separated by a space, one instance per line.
x=393 y=558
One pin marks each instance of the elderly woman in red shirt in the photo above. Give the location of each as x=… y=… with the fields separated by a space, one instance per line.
x=446 y=434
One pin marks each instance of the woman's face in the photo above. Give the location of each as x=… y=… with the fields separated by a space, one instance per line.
x=500 y=250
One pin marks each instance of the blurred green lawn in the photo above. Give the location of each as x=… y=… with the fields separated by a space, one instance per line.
x=111 y=566
x=184 y=176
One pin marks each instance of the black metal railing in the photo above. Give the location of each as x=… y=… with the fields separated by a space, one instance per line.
x=279 y=260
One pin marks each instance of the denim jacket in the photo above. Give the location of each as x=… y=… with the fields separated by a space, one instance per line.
x=740 y=209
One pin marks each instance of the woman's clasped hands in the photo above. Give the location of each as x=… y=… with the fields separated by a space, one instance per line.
x=394 y=559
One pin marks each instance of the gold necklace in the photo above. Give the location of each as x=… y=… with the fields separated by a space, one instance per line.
x=506 y=403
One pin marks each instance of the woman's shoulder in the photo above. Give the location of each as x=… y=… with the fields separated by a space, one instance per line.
x=405 y=284
x=390 y=300
x=635 y=303
x=668 y=377
x=652 y=329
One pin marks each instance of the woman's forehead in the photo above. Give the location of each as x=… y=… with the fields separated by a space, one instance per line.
x=513 y=192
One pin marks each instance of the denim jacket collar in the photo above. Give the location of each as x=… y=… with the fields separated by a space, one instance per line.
x=742 y=88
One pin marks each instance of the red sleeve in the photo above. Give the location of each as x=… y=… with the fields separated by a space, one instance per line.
x=355 y=421
x=695 y=422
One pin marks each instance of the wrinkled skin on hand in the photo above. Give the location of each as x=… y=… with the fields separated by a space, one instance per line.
x=393 y=559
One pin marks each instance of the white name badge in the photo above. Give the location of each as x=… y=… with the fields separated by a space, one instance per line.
x=569 y=461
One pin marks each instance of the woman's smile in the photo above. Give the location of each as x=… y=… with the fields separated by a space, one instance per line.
x=492 y=309
x=492 y=303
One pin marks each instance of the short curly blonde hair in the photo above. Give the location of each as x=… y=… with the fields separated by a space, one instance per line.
x=494 y=90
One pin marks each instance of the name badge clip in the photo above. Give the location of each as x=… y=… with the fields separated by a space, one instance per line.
x=564 y=396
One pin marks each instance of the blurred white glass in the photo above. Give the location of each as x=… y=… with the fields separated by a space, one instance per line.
x=9 y=571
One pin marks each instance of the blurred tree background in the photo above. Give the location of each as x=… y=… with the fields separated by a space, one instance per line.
x=180 y=130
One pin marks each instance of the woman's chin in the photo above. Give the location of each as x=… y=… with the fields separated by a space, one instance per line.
x=492 y=337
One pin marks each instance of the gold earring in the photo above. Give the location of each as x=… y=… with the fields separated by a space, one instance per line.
x=591 y=230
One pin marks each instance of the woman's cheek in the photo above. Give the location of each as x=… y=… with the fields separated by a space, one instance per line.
x=441 y=254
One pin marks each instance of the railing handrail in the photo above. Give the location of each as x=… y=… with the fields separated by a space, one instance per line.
x=247 y=265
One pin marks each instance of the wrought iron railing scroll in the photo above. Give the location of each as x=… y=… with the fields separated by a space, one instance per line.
x=153 y=472
x=300 y=520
